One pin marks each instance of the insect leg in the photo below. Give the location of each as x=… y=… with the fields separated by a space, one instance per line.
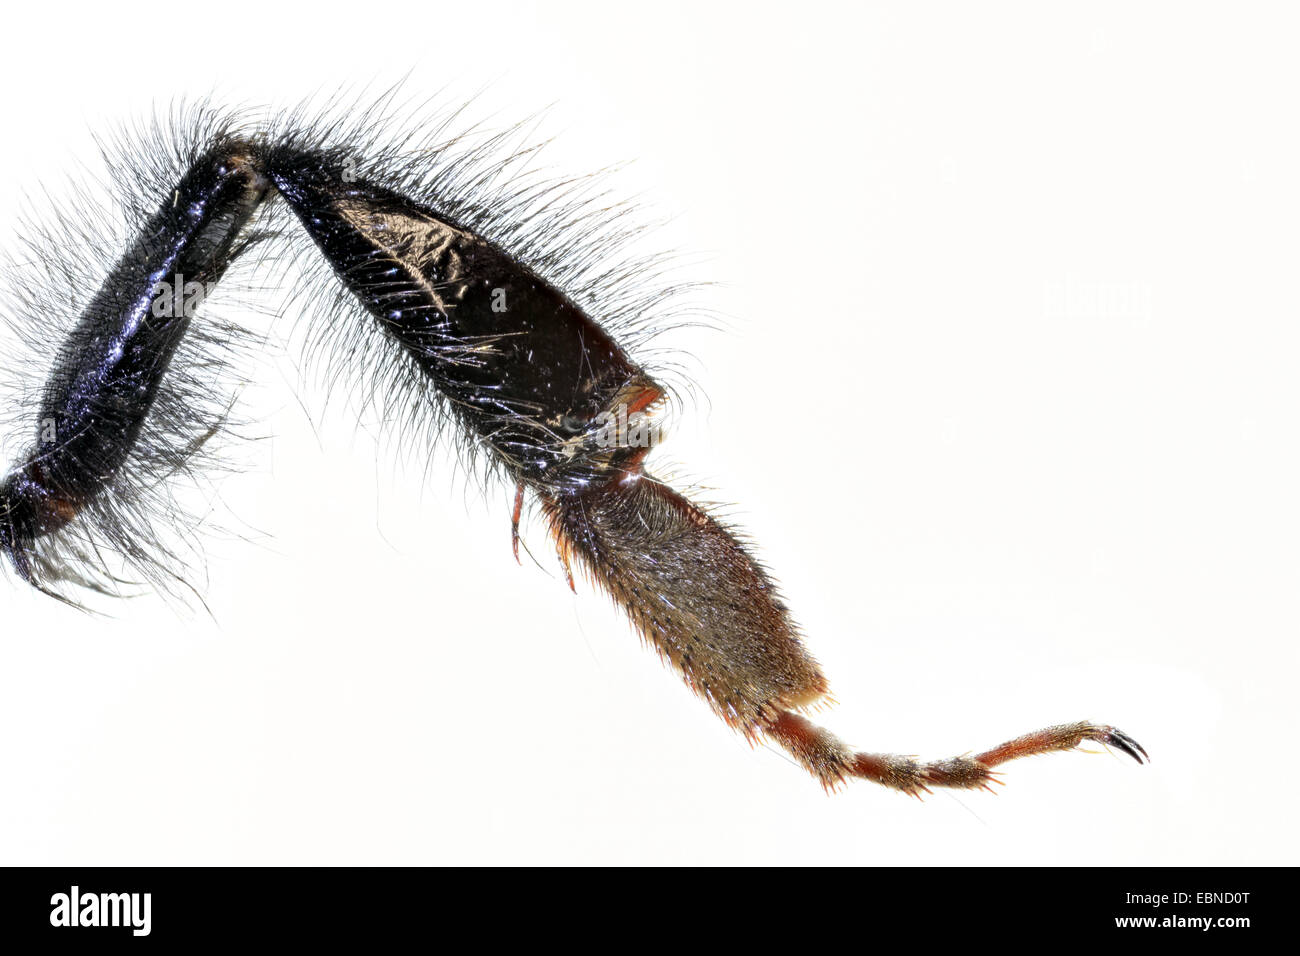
x=831 y=761
x=107 y=371
x=532 y=379
x=697 y=596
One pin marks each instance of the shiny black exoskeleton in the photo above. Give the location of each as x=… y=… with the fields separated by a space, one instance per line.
x=520 y=364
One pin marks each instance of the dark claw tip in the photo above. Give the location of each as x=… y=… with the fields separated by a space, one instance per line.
x=1122 y=741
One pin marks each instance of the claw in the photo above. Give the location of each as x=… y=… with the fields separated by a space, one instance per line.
x=1122 y=741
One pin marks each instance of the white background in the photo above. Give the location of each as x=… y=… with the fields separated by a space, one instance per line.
x=1006 y=392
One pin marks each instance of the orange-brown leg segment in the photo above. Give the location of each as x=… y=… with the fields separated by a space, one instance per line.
x=514 y=520
x=564 y=563
x=831 y=761
x=698 y=597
